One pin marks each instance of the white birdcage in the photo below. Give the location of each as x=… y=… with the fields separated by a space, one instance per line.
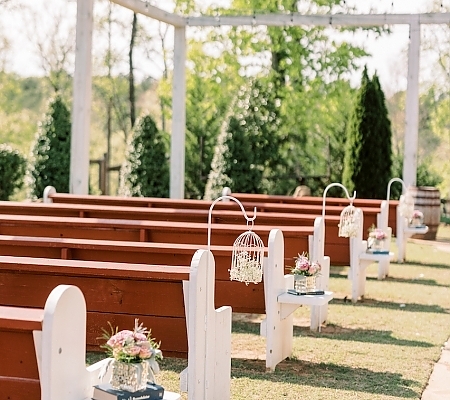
x=406 y=205
x=248 y=249
x=349 y=222
x=247 y=257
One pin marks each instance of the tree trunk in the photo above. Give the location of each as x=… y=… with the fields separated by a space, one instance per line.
x=131 y=75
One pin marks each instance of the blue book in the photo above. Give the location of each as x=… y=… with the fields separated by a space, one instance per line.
x=104 y=391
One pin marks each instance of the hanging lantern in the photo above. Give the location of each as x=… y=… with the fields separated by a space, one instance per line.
x=406 y=205
x=349 y=222
x=247 y=258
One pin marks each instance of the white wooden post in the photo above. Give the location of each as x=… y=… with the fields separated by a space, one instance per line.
x=81 y=108
x=317 y=253
x=209 y=334
x=412 y=106
x=382 y=223
x=177 y=144
x=404 y=232
x=47 y=192
x=61 y=347
x=360 y=259
x=278 y=326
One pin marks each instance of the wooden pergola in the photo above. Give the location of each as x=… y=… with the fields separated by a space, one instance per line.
x=79 y=168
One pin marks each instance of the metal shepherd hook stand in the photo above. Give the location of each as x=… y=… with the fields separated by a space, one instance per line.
x=350 y=220
x=406 y=205
x=248 y=249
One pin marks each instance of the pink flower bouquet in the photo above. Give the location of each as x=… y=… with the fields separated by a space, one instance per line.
x=303 y=266
x=377 y=234
x=131 y=346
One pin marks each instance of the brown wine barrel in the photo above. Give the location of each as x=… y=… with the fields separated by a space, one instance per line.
x=428 y=200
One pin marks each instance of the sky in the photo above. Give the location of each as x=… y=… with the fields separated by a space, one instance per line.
x=388 y=52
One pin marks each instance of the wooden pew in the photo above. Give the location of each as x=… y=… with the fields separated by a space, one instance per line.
x=335 y=246
x=154 y=202
x=296 y=238
x=363 y=204
x=242 y=298
x=44 y=349
x=19 y=375
x=114 y=292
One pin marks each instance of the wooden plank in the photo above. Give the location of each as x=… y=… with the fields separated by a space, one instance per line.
x=20 y=388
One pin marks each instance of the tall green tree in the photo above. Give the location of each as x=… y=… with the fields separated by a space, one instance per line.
x=247 y=152
x=146 y=169
x=368 y=156
x=50 y=158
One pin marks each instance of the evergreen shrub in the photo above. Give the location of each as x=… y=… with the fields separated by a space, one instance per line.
x=146 y=171
x=50 y=155
x=12 y=171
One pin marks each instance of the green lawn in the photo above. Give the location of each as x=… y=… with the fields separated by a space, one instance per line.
x=384 y=347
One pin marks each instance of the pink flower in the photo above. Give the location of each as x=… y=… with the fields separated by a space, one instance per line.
x=119 y=338
x=303 y=266
x=145 y=352
x=132 y=350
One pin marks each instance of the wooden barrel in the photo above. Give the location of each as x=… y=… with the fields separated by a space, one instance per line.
x=428 y=200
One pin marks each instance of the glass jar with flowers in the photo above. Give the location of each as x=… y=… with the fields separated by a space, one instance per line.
x=416 y=219
x=133 y=357
x=305 y=273
x=376 y=238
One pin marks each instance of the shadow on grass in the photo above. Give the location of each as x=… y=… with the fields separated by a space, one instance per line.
x=422 y=264
x=331 y=376
x=405 y=307
x=336 y=332
x=416 y=281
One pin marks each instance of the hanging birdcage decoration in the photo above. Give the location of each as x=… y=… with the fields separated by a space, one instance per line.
x=247 y=258
x=349 y=222
x=406 y=205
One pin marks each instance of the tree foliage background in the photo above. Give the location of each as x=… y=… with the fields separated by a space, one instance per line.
x=146 y=169
x=368 y=153
x=49 y=163
x=309 y=70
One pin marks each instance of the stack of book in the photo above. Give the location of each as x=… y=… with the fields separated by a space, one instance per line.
x=104 y=391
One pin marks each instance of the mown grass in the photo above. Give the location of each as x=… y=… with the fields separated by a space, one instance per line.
x=383 y=347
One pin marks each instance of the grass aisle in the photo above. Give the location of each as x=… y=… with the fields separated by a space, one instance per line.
x=384 y=347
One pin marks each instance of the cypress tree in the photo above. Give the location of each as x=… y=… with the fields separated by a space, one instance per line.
x=368 y=155
x=50 y=158
x=248 y=144
x=146 y=170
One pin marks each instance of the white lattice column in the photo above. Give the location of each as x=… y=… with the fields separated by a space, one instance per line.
x=81 y=107
x=412 y=106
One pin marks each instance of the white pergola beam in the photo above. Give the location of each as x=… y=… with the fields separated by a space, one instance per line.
x=412 y=108
x=148 y=10
x=81 y=105
x=177 y=142
x=296 y=19
x=79 y=168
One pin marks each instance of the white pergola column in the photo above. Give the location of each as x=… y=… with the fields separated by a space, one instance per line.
x=177 y=144
x=81 y=107
x=412 y=107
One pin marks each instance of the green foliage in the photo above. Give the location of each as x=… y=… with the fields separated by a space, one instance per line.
x=210 y=87
x=312 y=86
x=368 y=157
x=50 y=158
x=248 y=149
x=12 y=171
x=146 y=170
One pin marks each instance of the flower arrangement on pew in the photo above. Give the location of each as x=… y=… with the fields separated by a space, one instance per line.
x=133 y=356
x=416 y=219
x=305 y=273
x=376 y=238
